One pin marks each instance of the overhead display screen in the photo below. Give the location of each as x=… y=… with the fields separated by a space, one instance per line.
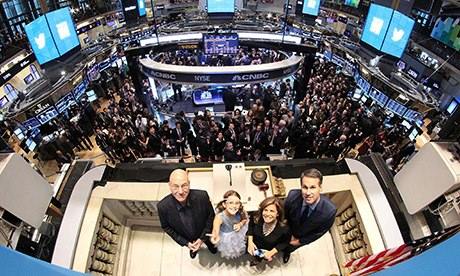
x=221 y=6
x=63 y=30
x=398 y=34
x=412 y=115
x=377 y=22
x=447 y=30
x=47 y=115
x=31 y=123
x=379 y=97
x=311 y=7
x=65 y=102
x=352 y=3
x=396 y=107
x=220 y=43
x=41 y=41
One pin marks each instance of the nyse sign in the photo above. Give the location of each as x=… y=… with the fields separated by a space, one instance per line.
x=220 y=78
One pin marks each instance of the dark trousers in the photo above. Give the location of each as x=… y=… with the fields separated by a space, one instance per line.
x=180 y=149
x=290 y=248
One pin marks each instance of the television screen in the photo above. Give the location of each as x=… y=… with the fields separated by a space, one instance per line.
x=377 y=22
x=41 y=40
x=357 y=94
x=28 y=79
x=91 y=95
x=19 y=134
x=447 y=31
x=379 y=97
x=3 y=101
x=413 y=134
x=63 y=30
x=396 y=107
x=65 y=102
x=406 y=124
x=221 y=6
x=47 y=115
x=311 y=7
x=31 y=123
x=398 y=34
x=452 y=107
x=79 y=90
x=352 y=3
x=220 y=43
x=141 y=7
x=412 y=115
x=363 y=99
x=31 y=145
x=362 y=83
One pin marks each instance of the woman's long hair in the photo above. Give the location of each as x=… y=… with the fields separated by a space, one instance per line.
x=266 y=202
x=220 y=206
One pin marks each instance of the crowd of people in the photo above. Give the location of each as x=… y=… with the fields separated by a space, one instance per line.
x=326 y=123
x=251 y=56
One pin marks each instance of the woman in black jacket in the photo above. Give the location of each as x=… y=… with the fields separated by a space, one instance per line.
x=267 y=234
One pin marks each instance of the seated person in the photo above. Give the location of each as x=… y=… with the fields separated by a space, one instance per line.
x=267 y=234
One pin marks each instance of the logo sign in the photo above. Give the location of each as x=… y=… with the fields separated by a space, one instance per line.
x=398 y=34
x=41 y=41
x=251 y=77
x=63 y=30
x=377 y=22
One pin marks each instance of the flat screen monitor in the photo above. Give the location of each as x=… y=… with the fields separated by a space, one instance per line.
x=31 y=123
x=413 y=134
x=396 y=107
x=221 y=6
x=220 y=43
x=412 y=115
x=375 y=28
x=41 y=40
x=398 y=34
x=362 y=83
x=19 y=134
x=3 y=101
x=63 y=30
x=31 y=145
x=352 y=3
x=446 y=30
x=311 y=7
x=406 y=124
x=452 y=107
x=357 y=94
x=379 y=97
x=91 y=95
x=47 y=115
x=28 y=79
x=79 y=90
x=65 y=102
x=363 y=99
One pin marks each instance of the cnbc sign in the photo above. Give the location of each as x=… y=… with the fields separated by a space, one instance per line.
x=387 y=30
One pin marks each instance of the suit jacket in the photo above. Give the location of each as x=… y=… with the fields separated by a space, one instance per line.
x=203 y=217
x=317 y=223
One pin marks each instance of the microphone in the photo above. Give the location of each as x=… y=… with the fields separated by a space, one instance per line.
x=228 y=167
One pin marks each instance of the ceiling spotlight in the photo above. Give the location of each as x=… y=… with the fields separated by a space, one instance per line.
x=62 y=73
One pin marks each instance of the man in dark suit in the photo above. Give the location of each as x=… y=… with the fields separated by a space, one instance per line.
x=186 y=215
x=309 y=214
x=179 y=138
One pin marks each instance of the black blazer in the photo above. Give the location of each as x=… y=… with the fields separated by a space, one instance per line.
x=203 y=216
x=317 y=224
x=279 y=238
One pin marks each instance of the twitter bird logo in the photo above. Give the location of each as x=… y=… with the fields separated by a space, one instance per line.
x=397 y=34
x=40 y=40
x=311 y=4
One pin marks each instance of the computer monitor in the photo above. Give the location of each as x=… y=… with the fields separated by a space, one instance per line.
x=406 y=124
x=91 y=95
x=31 y=145
x=452 y=107
x=413 y=134
x=19 y=134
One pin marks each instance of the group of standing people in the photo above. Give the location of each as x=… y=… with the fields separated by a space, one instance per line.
x=277 y=228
